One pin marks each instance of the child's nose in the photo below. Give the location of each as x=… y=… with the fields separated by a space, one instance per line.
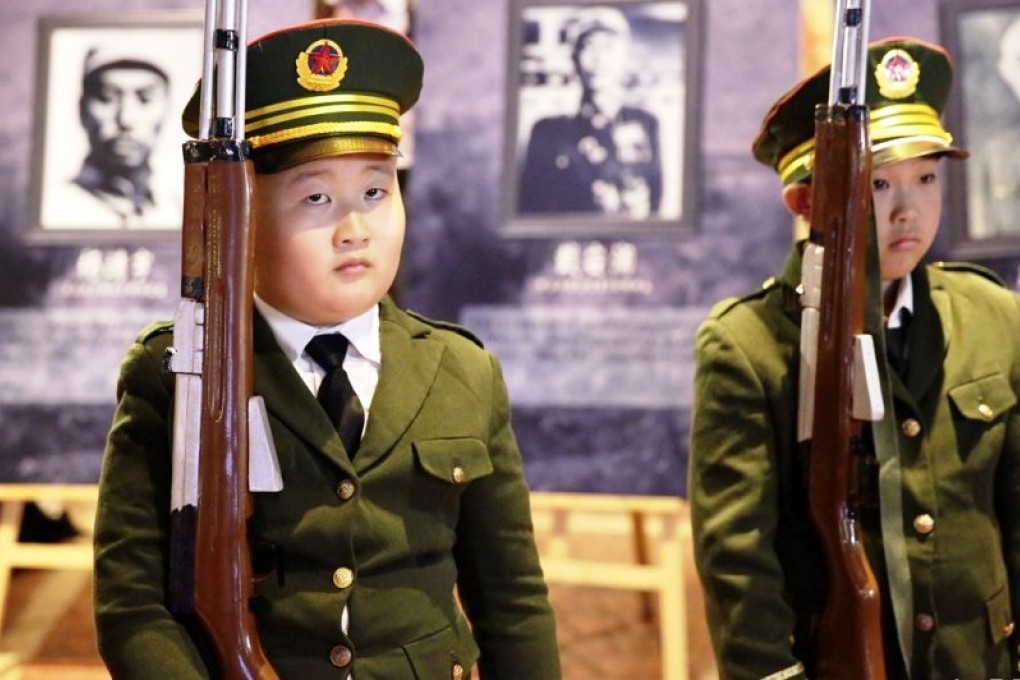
x=905 y=208
x=351 y=230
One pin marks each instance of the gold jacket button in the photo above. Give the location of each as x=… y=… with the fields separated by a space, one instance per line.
x=924 y=622
x=458 y=474
x=458 y=672
x=343 y=578
x=986 y=411
x=911 y=427
x=345 y=490
x=924 y=524
x=340 y=655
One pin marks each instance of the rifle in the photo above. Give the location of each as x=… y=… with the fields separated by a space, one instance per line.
x=839 y=384
x=220 y=430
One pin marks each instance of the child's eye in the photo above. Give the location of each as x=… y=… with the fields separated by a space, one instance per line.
x=879 y=184
x=375 y=194
x=318 y=199
x=929 y=178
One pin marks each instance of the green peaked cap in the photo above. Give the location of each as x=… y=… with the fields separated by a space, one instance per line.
x=908 y=83
x=324 y=88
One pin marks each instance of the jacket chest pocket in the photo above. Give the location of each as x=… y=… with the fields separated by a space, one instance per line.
x=450 y=465
x=980 y=406
x=984 y=399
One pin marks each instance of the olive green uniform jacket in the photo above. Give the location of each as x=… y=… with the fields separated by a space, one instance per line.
x=413 y=532
x=950 y=497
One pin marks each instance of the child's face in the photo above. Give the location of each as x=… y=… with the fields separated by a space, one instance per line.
x=908 y=207
x=329 y=236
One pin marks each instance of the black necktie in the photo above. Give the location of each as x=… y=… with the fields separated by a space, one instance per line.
x=896 y=344
x=336 y=394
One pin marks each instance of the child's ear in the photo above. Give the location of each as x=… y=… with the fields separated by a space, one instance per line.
x=797 y=199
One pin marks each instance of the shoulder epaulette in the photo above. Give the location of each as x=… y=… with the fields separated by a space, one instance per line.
x=723 y=306
x=447 y=326
x=155 y=329
x=971 y=268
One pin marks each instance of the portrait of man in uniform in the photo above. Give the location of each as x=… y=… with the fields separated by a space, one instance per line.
x=600 y=111
x=108 y=145
x=605 y=157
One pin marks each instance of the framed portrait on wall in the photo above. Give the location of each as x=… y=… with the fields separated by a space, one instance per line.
x=602 y=104
x=110 y=90
x=983 y=113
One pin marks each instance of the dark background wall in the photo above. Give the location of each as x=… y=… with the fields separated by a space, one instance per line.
x=599 y=367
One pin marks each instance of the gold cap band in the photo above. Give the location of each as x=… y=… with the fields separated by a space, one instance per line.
x=898 y=132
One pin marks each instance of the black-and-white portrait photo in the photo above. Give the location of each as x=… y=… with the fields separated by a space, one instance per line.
x=108 y=138
x=985 y=35
x=601 y=105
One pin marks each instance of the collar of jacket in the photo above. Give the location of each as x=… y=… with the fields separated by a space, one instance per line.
x=411 y=359
x=926 y=338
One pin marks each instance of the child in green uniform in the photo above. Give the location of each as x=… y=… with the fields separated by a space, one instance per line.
x=406 y=552
x=943 y=534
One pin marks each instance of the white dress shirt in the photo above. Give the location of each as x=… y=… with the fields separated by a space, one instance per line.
x=364 y=353
x=904 y=300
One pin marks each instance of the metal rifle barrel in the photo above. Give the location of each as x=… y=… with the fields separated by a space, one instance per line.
x=849 y=52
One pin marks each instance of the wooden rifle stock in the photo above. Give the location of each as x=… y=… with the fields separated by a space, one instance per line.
x=217 y=420
x=211 y=565
x=839 y=374
x=223 y=569
x=849 y=635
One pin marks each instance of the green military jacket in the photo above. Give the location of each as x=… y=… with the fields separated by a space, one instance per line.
x=949 y=485
x=415 y=534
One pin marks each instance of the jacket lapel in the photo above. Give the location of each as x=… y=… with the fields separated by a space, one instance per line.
x=410 y=364
x=288 y=398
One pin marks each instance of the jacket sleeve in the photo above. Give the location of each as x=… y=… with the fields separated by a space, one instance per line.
x=500 y=581
x=137 y=635
x=733 y=492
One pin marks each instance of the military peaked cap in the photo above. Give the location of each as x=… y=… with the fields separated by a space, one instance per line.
x=324 y=88
x=908 y=83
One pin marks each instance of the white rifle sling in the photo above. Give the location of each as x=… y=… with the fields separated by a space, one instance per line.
x=263 y=465
x=810 y=299
x=867 y=394
x=186 y=364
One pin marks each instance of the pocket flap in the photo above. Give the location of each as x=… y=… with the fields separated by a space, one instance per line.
x=1000 y=620
x=440 y=655
x=457 y=461
x=984 y=399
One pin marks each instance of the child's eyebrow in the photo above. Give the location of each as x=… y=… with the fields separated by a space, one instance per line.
x=304 y=175
x=383 y=167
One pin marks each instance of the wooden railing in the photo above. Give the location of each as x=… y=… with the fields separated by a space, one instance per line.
x=573 y=531
x=653 y=532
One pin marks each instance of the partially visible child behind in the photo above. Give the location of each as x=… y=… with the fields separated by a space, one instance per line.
x=943 y=530
x=409 y=554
